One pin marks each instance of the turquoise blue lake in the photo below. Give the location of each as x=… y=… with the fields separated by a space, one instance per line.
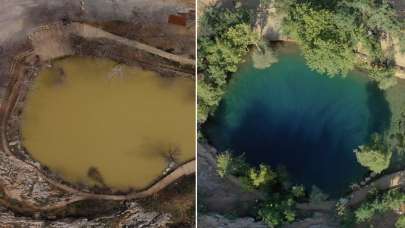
x=307 y=122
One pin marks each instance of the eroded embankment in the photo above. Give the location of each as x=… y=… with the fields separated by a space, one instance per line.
x=26 y=183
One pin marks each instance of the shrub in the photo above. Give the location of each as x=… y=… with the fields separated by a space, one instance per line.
x=228 y=164
x=325 y=38
x=226 y=36
x=329 y=33
x=277 y=211
x=384 y=76
x=245 y=183
x=262 y=176
x=224 y=164
x=298 y=191
x=400 y=222
x=374 y=156
x=364 y=213
x=375 y=160
x=390 y=200
x=279 y=208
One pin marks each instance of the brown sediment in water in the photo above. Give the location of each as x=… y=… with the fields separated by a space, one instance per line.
x=127 y=123
x=51 y=191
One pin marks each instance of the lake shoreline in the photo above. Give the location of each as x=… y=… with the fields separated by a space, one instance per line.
x=22 y=71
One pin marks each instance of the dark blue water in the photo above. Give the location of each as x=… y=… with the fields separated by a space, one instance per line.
x=310 y=123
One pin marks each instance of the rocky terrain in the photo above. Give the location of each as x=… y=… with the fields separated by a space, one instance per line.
x=133 y=216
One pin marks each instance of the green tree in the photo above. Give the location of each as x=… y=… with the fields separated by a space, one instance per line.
x=331 y=32
x=341 y=207
x=375 y=160
x=400 y=222
x=277 y=211
x=284 y=6
x=298 y=191
x=390 y=200
x=364 y=213
x=383 y=75
x=279 y=208
x=262 y=176
x=376 y=20
x=228 y=164
x=224 y=164
x=325 y=38
x=208 y=97
x=378 y=16
x=375 y=156
x=246 y=183
x=216 y=21
x=240 y=37
x=224 y=41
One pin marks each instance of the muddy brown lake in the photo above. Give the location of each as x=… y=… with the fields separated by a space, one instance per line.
x=95 y=121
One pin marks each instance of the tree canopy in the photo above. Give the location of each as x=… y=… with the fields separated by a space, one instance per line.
x=325 y=39
x=277 y=211
x=223 y=43
x=330 y=35
x=228 y=164
x=262 y=176
x=279 y=206
x=390 y=200
x=224 y=164
x=375 y=156
x=400 y=223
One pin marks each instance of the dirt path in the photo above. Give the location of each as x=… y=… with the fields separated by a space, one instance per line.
x=17 y=17
x=51 y=41
x=183 y=170
x=383 y=183
x=91 y=32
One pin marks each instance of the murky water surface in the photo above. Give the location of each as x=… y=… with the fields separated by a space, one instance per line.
x=99 y=122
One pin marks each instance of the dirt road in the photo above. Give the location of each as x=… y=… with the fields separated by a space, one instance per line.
x=19 y=16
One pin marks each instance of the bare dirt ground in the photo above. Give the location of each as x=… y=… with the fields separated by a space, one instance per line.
x=19 y=17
